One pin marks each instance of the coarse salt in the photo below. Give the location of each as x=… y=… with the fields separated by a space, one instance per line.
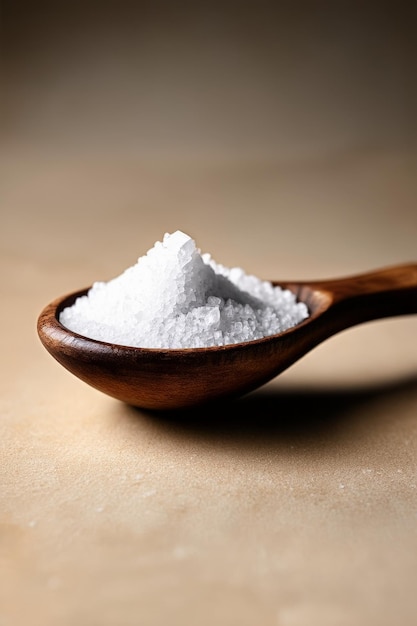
x=176 y=297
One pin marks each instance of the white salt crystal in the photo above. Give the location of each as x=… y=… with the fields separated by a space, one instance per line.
x=175 y=297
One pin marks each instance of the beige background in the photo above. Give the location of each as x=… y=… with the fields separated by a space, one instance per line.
x=281 y=136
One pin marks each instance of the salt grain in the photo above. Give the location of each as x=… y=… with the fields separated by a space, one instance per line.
x=176 y=297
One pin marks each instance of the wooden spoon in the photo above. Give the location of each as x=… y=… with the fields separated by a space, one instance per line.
x=176 y=378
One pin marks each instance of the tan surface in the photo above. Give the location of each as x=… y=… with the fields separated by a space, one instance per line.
x=295 y=506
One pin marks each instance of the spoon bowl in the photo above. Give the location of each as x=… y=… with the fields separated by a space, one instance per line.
x=165 y=379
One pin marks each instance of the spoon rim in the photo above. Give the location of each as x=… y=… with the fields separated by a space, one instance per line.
x=49 y=317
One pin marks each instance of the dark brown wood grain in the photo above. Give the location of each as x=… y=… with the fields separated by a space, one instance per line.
x=173 y=379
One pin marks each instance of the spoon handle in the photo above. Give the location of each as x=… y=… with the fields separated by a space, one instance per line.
x=381 y=293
